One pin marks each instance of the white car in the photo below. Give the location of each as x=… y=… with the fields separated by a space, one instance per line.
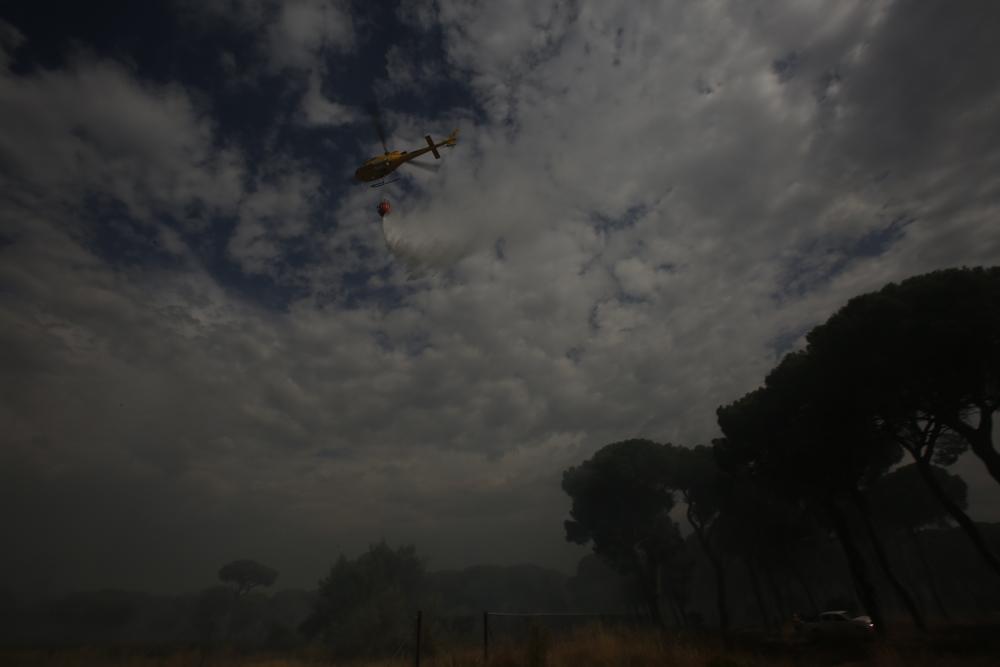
x=837 y=623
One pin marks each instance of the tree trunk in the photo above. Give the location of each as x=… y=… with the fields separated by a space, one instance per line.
x=859 y=571
x=778 y=598
x=755 y=586
x=910 y=578
x=981 y=440
x=883 y=561
x=679 y=619
x=976 y=600
x=658 y=593
x=967 y=524
x=805 y=588
x=931 y=578
x=649 y=580
x=824 y=592
x=653 y=608
x=681 y=600
x=720 y=572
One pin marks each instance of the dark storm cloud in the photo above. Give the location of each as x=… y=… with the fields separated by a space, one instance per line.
x=209 y=352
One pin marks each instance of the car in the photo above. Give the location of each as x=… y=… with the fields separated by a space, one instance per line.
x=837 y=623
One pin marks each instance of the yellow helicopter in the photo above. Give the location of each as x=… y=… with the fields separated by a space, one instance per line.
x=377 y=168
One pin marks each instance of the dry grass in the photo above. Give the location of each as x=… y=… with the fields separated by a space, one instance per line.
x=954 y=646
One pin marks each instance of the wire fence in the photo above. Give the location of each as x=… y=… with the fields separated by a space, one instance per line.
x=493 y=628
x=536 y=627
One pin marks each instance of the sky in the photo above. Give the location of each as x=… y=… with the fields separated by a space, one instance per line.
x=213 y=348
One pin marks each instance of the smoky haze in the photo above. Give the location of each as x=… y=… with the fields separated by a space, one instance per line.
x=212 y=348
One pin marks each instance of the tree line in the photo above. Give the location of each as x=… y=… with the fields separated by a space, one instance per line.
x=848 y=438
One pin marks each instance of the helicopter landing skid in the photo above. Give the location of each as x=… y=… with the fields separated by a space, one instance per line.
x=378 y=185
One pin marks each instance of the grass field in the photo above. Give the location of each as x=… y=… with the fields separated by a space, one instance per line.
x=956 y=645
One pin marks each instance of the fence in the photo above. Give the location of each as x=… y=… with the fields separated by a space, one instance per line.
x=488 y=634
x=555 y=622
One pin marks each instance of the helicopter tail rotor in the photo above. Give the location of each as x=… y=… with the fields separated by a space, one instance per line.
x=434 y=149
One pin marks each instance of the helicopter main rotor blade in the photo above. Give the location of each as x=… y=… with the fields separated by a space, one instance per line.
x=377 y=121
x=433 y=168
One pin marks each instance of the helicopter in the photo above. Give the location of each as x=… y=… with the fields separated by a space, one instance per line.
x=380 y=166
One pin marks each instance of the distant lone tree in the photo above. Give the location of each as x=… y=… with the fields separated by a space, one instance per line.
x=247 y=575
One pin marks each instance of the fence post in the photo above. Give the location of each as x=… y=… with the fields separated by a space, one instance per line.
x=486 y=637
x=420 y=622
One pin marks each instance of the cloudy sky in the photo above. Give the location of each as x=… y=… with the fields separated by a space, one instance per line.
x=212 y=347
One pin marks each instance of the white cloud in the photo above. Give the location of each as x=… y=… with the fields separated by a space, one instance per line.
x=10 y=39
x=95 y=129
x=273 y=212
x=318 y=110
x=406 y=71
x=295 y=33
x=305 y=28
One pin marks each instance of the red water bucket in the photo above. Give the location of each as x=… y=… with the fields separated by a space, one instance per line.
x=384 y=209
